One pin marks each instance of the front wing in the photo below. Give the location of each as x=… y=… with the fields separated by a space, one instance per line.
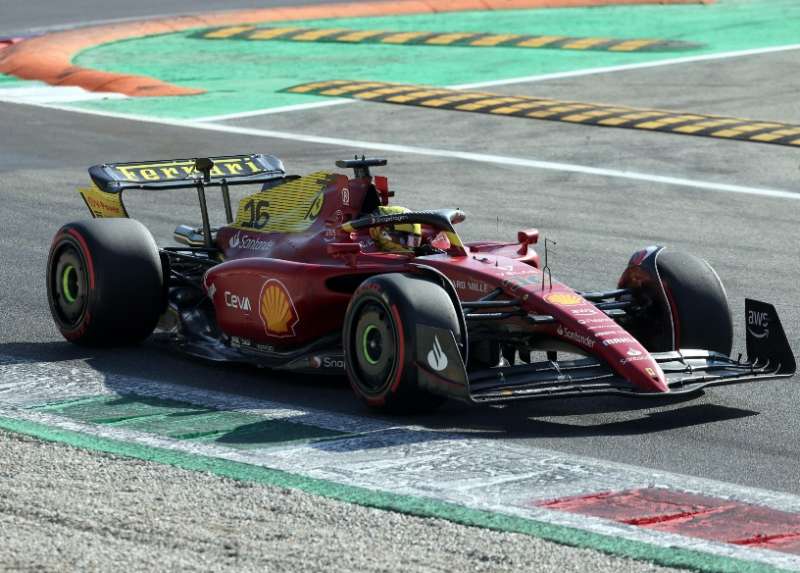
x=687 y=371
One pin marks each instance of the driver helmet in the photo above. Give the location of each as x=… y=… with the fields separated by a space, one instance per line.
x=404 y=237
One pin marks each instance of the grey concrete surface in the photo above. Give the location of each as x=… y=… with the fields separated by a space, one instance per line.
x=63 y=509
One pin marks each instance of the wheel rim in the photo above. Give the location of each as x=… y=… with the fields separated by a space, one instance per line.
x=371 y=344
x=69 y=283
x=375 y=348
x=69 y=286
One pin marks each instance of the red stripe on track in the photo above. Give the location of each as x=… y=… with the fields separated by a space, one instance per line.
x=693 y=515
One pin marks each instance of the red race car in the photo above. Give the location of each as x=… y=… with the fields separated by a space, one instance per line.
x=319 y=274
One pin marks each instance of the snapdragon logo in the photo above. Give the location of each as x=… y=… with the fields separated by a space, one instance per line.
x=437 y=359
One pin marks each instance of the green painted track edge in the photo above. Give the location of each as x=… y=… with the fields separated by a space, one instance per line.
x=416 y=506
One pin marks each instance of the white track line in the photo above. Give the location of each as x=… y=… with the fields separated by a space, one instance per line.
x=449 y=153
x=527 y=79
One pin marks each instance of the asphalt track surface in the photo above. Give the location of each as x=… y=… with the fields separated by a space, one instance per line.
x=746 y=434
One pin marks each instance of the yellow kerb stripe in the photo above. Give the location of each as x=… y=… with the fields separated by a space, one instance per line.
x=486 y=103
x=228 y=32
x=317 y=85
x=358 y=36
x=385 y=91
x=402 y=37
x=539 y=42
x=350 y=88
x=312 y=35
x=447 y=38
x=439 y=102
x=270 y=33
x=632 y=45
x=414 y=96
x=659 y=123
x=585 y=43
x=493 y=40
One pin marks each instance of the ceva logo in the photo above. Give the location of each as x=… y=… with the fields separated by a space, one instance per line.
x=437 y=359
x=236 y=301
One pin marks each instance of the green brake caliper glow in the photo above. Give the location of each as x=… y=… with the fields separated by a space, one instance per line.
x=66 y=287
x=365 y=346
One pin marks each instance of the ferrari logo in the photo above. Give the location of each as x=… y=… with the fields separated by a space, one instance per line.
x=277 y=309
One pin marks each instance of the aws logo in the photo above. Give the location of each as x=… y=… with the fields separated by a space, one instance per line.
x=758 y=323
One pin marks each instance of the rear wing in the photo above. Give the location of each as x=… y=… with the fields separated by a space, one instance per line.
x=184 y=173
x=104 y=199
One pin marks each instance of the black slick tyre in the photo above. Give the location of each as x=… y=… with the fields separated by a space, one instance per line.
x=698 y=303
x=105 y=282
x=379 y=340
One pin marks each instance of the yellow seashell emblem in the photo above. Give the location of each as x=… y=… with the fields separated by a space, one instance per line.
x=277 y=310
x=564 y=298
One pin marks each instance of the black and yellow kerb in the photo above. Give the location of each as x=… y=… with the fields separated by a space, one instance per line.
x=469 y=39
x=556 y=110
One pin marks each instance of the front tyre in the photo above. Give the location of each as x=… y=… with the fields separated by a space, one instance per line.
x=379 y=340
x=688 y=304
x=105 y=282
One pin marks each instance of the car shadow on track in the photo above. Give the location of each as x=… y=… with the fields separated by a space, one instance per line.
x=586 y=417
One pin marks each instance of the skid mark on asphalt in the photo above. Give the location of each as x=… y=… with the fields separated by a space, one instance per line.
x=460 y=476
x=469 y=39
x=528 y=107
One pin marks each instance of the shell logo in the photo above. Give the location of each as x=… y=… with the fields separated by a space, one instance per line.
x=564 y=299
x=277 y=310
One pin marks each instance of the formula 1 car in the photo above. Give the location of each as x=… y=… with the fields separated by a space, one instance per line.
x=300 y=280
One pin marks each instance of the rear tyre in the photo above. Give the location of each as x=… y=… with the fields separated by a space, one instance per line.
x=105 y=283
x=379 y=345
x=694 y=304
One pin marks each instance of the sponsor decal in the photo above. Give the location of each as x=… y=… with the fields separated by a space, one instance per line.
x=277 y=310
x=616 y=332
x=316 y=207
x=564 y=299
x=603 y=321
x=248 y=344
x=472 y=285
x=515 y=283
x=240 y=241
x=211 y=290
x=633 y=352
x=582 y=339
x=584 y=312
x=327 y=362
x=236 y=301
x=625 y=361
x=103 y=205
x=618 y=340
x=345 y=196
x=651 y=372
x=437 y=359
x=172 y=170
x=758 y=323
